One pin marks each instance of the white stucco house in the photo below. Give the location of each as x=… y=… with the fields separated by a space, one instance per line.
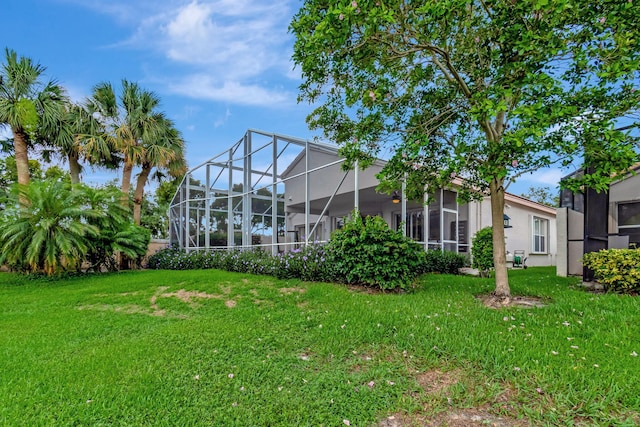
x=300 y=186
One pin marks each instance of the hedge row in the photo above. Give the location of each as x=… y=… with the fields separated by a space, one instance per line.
x=364 y=252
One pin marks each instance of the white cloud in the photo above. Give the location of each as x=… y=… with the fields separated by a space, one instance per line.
x=222 y=119
x=235 y=51
x=122 y=11
x=216 y=36
x=205 y=87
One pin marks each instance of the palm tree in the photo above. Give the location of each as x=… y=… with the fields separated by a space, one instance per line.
x=128 y=122
x=79 y=136
x=117 y=234
x=64 y=226
x=50 y=232
x=141 y=134
x=165 y=152
x=27 y=106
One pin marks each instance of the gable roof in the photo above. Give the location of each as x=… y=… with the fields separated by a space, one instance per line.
x=524 y=202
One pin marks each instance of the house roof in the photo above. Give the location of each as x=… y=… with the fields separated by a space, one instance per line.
x=523 y=201
x=319 y=147
x=332 y=149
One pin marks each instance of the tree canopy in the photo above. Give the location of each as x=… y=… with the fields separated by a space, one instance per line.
x=30 y=107
x=483 y=91
x=105 y=130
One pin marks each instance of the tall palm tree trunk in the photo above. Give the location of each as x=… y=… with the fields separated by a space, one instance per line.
x=127 y=170
x=74 y=168
x=126 y=186
x=22 y=157
x=139 y=193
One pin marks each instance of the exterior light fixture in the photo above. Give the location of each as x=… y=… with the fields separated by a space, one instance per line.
x=395 y=198
x=506 y=221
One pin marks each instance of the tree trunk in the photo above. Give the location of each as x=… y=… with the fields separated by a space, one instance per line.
x=22 y=161
x=499 y=250
x=22 y=157
x=74 y=168
x=139 y=193
x=126 y=181
x=126 y=185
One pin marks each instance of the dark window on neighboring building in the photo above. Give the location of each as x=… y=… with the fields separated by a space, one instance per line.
x=571 y=200
x=629 y=215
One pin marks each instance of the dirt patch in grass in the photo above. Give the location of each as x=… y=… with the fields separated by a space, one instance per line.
x=290 y=291
x=435 y=382
x=454 y=418
x=154 y=298
x=497 y=302
x=130 y=309
x=189 y=296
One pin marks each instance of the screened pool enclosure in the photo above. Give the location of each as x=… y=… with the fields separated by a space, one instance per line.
x=279 y=192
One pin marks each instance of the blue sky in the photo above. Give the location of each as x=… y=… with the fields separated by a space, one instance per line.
x=219 y=66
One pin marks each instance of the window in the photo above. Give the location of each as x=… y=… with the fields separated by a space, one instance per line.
x=539 y=239
x=629 y=215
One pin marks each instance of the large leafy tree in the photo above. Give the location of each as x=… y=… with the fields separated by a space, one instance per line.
x=543 y=195
x=155 y=210
x=476 y=91
x=28 y=106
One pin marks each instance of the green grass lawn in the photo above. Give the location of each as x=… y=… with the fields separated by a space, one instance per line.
x=182 y=348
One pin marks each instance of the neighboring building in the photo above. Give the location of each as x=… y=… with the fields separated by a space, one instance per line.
x=597 y=221
x=313 y=195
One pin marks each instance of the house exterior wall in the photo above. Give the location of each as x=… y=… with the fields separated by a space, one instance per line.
x=323 y=182
x=470 y=218
x=520 y=235
x=625 y=191
x=571 y=235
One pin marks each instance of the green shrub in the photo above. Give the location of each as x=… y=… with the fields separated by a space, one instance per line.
x=367 y=253
x=618 y=270
x=446 y=262
x=64 y=228
x=307 y=263
x=370 y=253
x=175 y=258
x=482 y=251
x=46 y=228
x=116 y=231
